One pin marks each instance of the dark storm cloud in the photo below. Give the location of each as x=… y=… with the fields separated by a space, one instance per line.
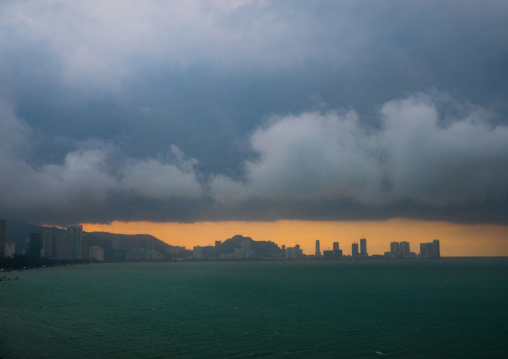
x=262 y=110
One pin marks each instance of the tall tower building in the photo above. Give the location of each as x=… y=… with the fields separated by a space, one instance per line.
x=34 y=245
x=245 y=247
x=430 y=249
x=354 y=250
x=47 y=244
x=437 y=250
x=395 y=247
x=299 y=251
x=3 y=237
x=75 y=233
x=217 y=249
x=84 y=246
x=318 y=248
x=63 y=246
x=405 y=248
x=363 y=247
x=335 y=246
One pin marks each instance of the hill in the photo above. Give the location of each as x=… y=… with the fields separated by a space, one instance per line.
x=263 y=249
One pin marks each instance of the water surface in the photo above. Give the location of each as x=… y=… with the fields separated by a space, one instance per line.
x=452 y=307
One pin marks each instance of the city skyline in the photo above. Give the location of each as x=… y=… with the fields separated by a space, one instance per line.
x=257 y=114
x=461 y=240
x=72 y=244
x=394 y=236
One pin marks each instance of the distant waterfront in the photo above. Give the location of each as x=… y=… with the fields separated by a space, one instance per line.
x=452 y=307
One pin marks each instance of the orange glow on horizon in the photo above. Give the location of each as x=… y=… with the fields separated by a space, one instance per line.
x=456 y=239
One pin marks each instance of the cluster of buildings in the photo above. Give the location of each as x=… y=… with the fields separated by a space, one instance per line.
x=68 y=244
x=217 y=251
x=336 y=252
x=64 y=245
x=402 y=250
x=430 y=249
x=136 y=250
x=72 y=243
x=397 y=250
x=292 y=252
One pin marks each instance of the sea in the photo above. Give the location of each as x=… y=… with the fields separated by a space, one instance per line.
x=377 y=308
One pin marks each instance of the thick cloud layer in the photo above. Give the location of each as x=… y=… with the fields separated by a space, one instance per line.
x=253 y=110
x=313 y=161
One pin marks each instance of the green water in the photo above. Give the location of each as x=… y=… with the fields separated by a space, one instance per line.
x=308 y=309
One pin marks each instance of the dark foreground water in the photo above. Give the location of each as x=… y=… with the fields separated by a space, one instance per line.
x=314 y=309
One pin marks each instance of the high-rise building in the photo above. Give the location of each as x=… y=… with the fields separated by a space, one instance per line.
x=437 y=250
x=363 y=247
x=3 y=237
x=404 y=248
x=63 y=246
x=395 y=247
x=34 y=245
x=299 y=251
x=318 y=249
x=217 y=249
x=290 y=253
x=47 y=244
x=245 y=247
x=335 y=246
x=294 y=252
x=430 y=249
x=354 y=249
x=75 y=234
x=84 y=245
x=398 y=249
x=96 y=253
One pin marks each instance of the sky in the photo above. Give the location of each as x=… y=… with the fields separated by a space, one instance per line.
x=255 y=112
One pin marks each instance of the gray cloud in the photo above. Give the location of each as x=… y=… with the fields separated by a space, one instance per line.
x=88 y=178
x=312 y=165
x=323 y=156
x=211 y=110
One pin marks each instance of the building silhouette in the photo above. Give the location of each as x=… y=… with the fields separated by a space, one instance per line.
x=337 y=252
x=400 y=248
x=34 y=245
x=218 y=248
x=430 y=249
x=47 y=245
x=437 y=249
x=318 y=249
x=354 y=249
x=63 y=246
x=405 y=248
x=3 y=237
x=294 y=252
x=75 y=235
x=96 y=253
x=363 y=247
x=328 y=254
